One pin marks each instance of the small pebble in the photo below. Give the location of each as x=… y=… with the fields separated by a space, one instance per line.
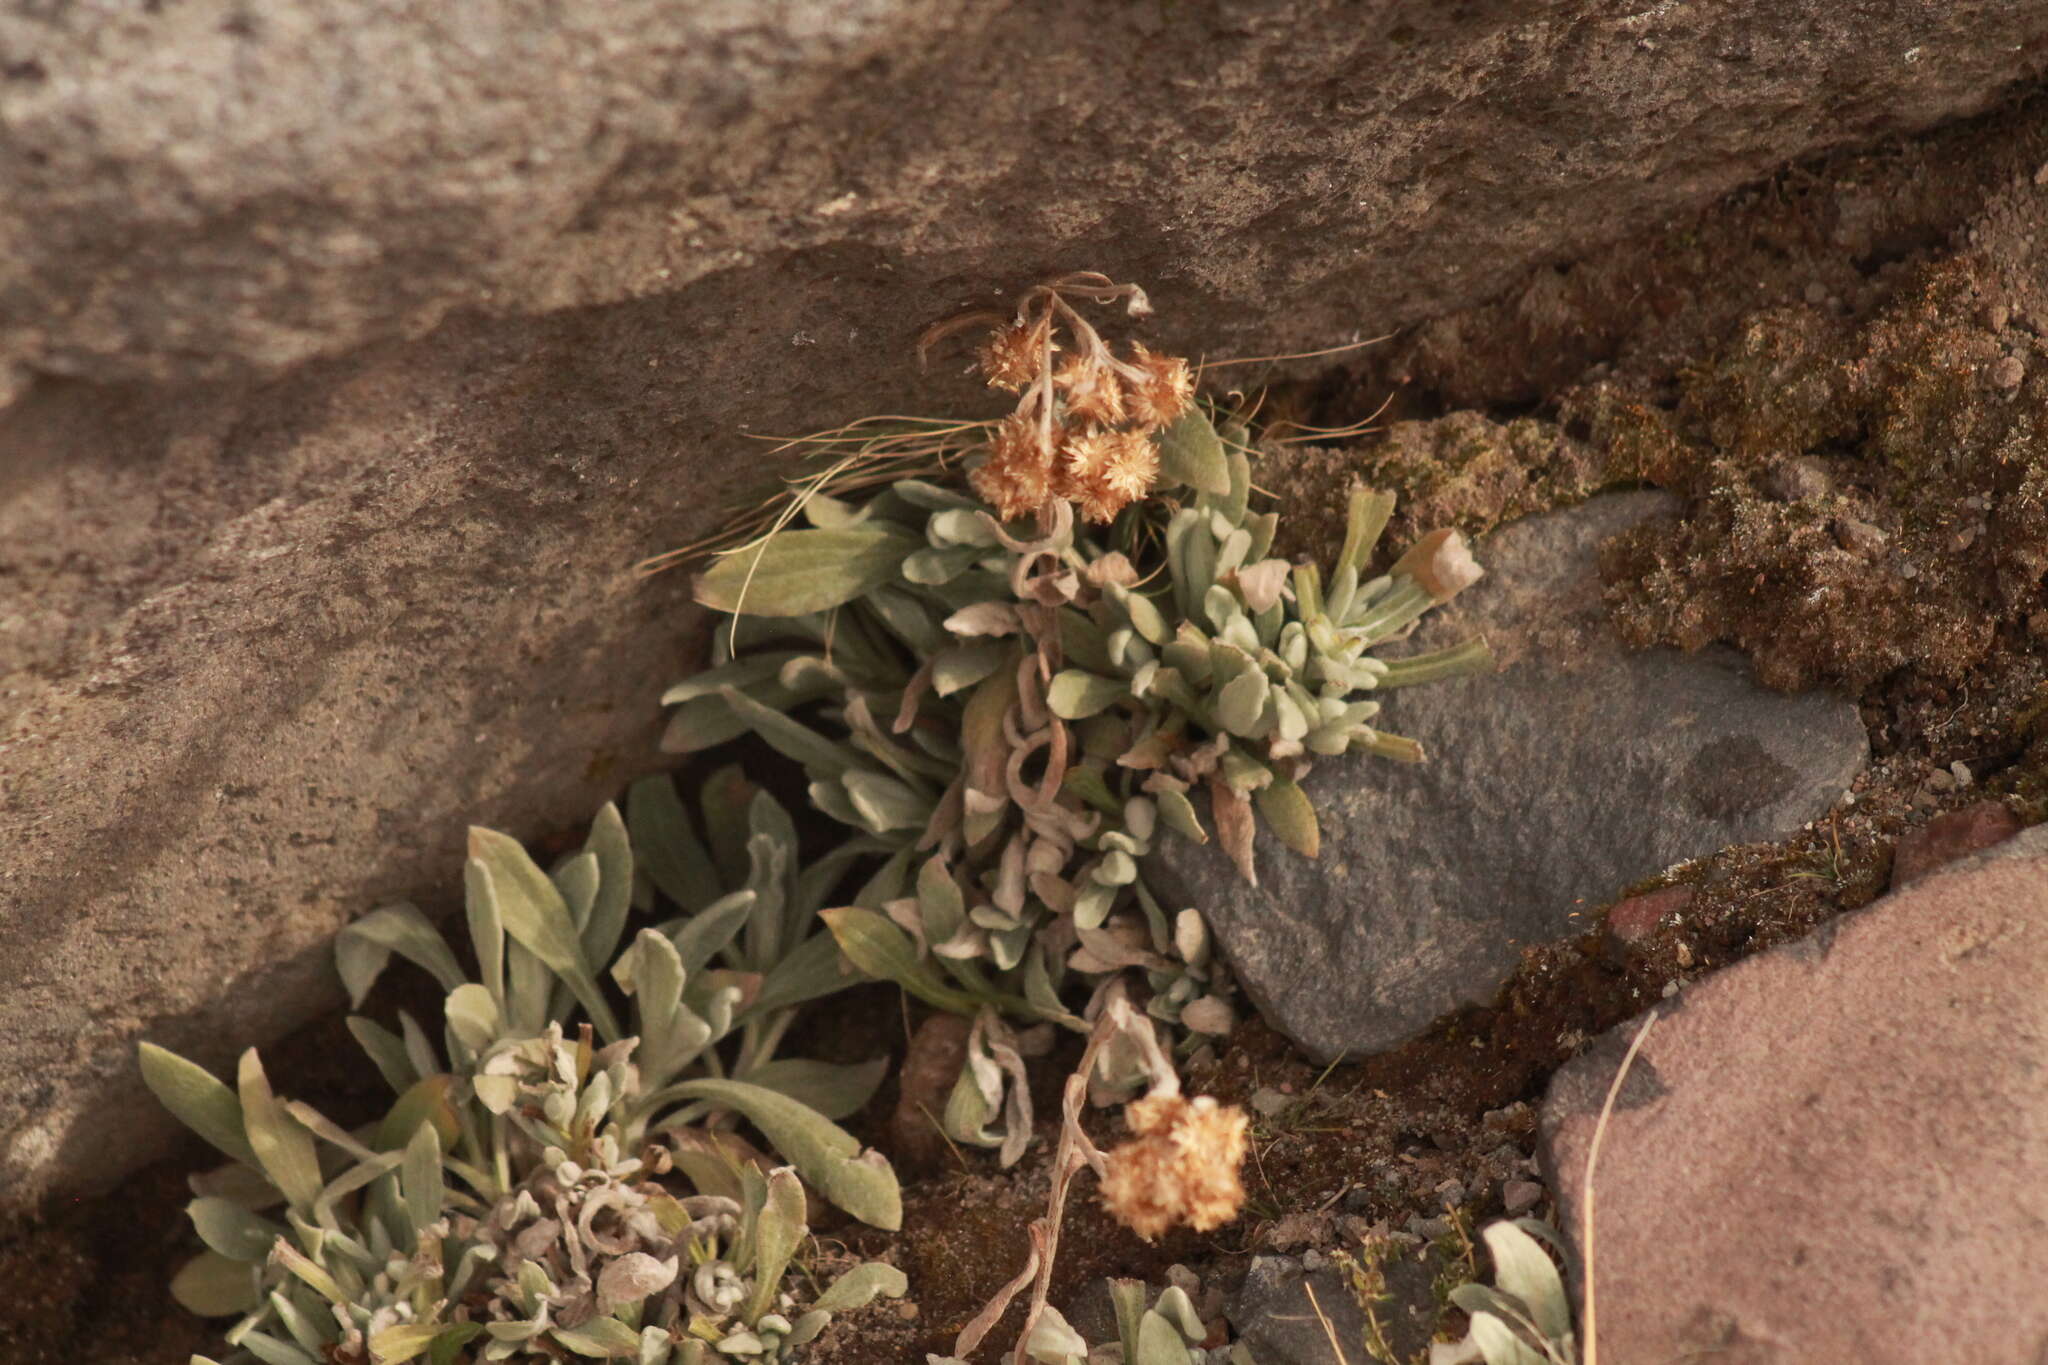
x=1858 y=537
x=1269 y=1101
x=1429 y=1229
x=1940 y=780
x=907 y=1311
x=1996 y=316
x=1519 y=1196
x=1816 y=292
x=1451 y=1193
x=1683 y=952
x=1313 y=1260
x=1671 y=988
x=2008 y=372
x=1798 y=480
x=1185 y=1280
x=1961 y=772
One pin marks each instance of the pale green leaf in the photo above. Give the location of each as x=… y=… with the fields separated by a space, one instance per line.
x=231 y=1230
x=824 y=1154
x=836 y=1090
x=535 y=915
x=198 y=1101
x=778 y=1231
x=1191 y=453
x=665 y=844
x=212 y=1286
x=282 y=1145
x=1291 y=816
x=876 y=946
x=420 y=1176
x=1076 y=695
x=794 y=572
x=362 y=949
x=1522 y=1268
x=860 y=1285
x=609 y=844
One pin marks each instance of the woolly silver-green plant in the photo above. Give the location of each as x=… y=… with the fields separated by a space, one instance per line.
x=1166 y=1332
x=1525 y=1316
x=1019 y=715
x=510 y=1205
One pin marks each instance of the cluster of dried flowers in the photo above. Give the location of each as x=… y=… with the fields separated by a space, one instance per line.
x=1085 y=424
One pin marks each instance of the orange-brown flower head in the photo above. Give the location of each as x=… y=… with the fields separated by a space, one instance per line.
x=1014 y=354
x=1091 y=390
x=1182 y=1167
x=1017 y=477
x=1165 y=392
x=1083 y=455
x=1132 y=466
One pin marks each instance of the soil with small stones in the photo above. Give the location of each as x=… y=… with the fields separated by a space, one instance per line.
x=1845 y=374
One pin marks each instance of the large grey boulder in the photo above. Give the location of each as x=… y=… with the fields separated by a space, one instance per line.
x=356 y=349
x=1575 y=769
x=1836 y=1150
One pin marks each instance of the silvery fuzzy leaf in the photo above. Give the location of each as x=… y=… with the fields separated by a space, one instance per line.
x=813 y=970
x=856 y=1288
x=496 y=1093
x=1126 y=649
x=1291 y=816
x=1114 y=868
x=1145 y=616
x=1499 y=1343
x=779 y=1230
x=600 y=1337
x=826 y=512
x=932 y=497
x=830 y=799
x=1233 y=543
x=1076 y=695
x=632 y=1277
x=985 y=618
x=535 y=915
x=418 y=1049
x=1288 y=720
x=1470 y=657
x=792 y=739
x=362 y=949
x=1178 y=1310
x=281 y=1143
x=1523 y=1269
x=1240 y=630
x=384 y=1050
x=1006 y=947
x=196 y=1099
x=212 y=1286
x=419 y=1175
x=1092 y=904
x=309 y=1334
x=962 y=666
x=1191 y=939
x=749 y=674
x=271 y=1351
x=940 y=907
x=1211 y=1014
x=1242 y=702
x=1160 y=1343
x=836 y=1090
x=1189 y=655
x=795 y=572
x=610 y=845
x=883 y=803
x=233 y=1231
x=824 y=1154
x=426 y=1101
x=1090 y=785
x=930 y=567
x=1364 y=519
x=473 y=1016
x=1052 y=1340
x=1244 y=773
x=1179 y=814
x=885 y=952
x=1191 y=453
x=656 y=1348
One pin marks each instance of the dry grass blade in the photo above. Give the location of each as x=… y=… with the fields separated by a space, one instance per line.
x=1297 y=355
x=1592 y=1323
x=884 y=449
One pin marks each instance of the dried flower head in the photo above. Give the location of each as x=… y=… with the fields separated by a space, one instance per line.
x=1091 y=390
x=1079 y=431
x=1014 y=355
x=1442 y=563
x=1164 y=390
x=1182 y=1167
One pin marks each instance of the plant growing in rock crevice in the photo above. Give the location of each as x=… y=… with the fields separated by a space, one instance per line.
x=512 y=1203
x=1019 y=703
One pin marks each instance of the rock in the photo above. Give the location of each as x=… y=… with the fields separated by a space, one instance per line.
x=1858 y=537
x=931 y=1065
x=1798 y=480
x=2008 y=372
x=1517 y=1197
x=1638 y=917
x=1274 y=1314
x=1577 y=768
x=1828 y=1151
x=338 y=409
x=1951 y=835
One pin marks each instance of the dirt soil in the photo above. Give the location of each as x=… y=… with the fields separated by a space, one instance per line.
x=1844 y=372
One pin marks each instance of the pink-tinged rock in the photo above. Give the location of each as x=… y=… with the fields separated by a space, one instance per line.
x=1951 y=835
x=1636 y=918
x=1838 y=1150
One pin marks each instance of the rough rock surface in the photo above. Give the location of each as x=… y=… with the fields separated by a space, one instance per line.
x=1951 y=835
x=1850 y=1131
x=1575 y=769
x=342 y=402
x=1274 y=1315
